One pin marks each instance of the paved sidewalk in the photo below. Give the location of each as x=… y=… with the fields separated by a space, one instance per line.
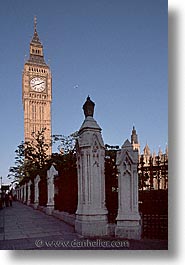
x=24 y=228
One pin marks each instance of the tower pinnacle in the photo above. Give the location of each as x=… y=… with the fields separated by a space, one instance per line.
x=134 y=140
x=35 y=23
x=35 y=38
x=36 y=47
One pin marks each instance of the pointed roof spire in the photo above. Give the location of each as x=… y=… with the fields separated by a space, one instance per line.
x=160 y=151
x=35 y=23
x=146 y=150
x=36 y=47
x=166 y=150
x=35 y=38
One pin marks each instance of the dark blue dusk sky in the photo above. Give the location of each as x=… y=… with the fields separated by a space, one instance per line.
x=113 y=50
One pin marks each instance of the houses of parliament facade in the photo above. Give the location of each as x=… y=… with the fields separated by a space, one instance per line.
x=152 y=167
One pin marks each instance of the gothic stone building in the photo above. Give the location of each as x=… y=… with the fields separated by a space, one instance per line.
x=37 y=92
x=152 y=168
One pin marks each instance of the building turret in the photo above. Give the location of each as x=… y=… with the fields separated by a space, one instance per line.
x=134 y=140
x=146 y=154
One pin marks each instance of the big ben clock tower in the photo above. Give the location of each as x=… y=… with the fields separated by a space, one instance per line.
x=37 y=91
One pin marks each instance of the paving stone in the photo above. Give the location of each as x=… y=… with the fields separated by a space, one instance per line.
x=15 y=236
x=21 y=226
x=20 y=223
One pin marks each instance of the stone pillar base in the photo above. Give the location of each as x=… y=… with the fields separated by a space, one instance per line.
x=49 y=209
x=35 y=205
x=91 y=226
x=128 y=229
x=28 y=202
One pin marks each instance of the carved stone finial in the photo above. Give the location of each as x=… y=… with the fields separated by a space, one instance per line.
x=88 y=107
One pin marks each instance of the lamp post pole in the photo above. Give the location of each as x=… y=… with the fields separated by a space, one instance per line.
x=1 y=181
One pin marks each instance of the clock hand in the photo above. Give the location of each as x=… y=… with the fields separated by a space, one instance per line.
x=38 y=84
x=41 y=82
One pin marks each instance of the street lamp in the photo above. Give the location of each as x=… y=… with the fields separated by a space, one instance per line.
x=1 y=181
x=1 y=185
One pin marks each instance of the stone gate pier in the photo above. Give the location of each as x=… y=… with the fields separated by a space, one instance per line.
x=91 y=214
x=51 y=173
x=36 y=191
x=128 y=219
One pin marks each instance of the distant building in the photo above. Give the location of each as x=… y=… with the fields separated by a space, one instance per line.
x=134 y=140
x=152 y=168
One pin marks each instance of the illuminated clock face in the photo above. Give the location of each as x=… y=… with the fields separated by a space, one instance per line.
x=38 y=84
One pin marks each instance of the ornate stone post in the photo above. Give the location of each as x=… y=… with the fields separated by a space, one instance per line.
x=36 y=187
x=51 y=173
x=24 y=197
x=29 y=192
x=17 y=194
x=91 y=214
x=128 y=219
x=22 y=194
